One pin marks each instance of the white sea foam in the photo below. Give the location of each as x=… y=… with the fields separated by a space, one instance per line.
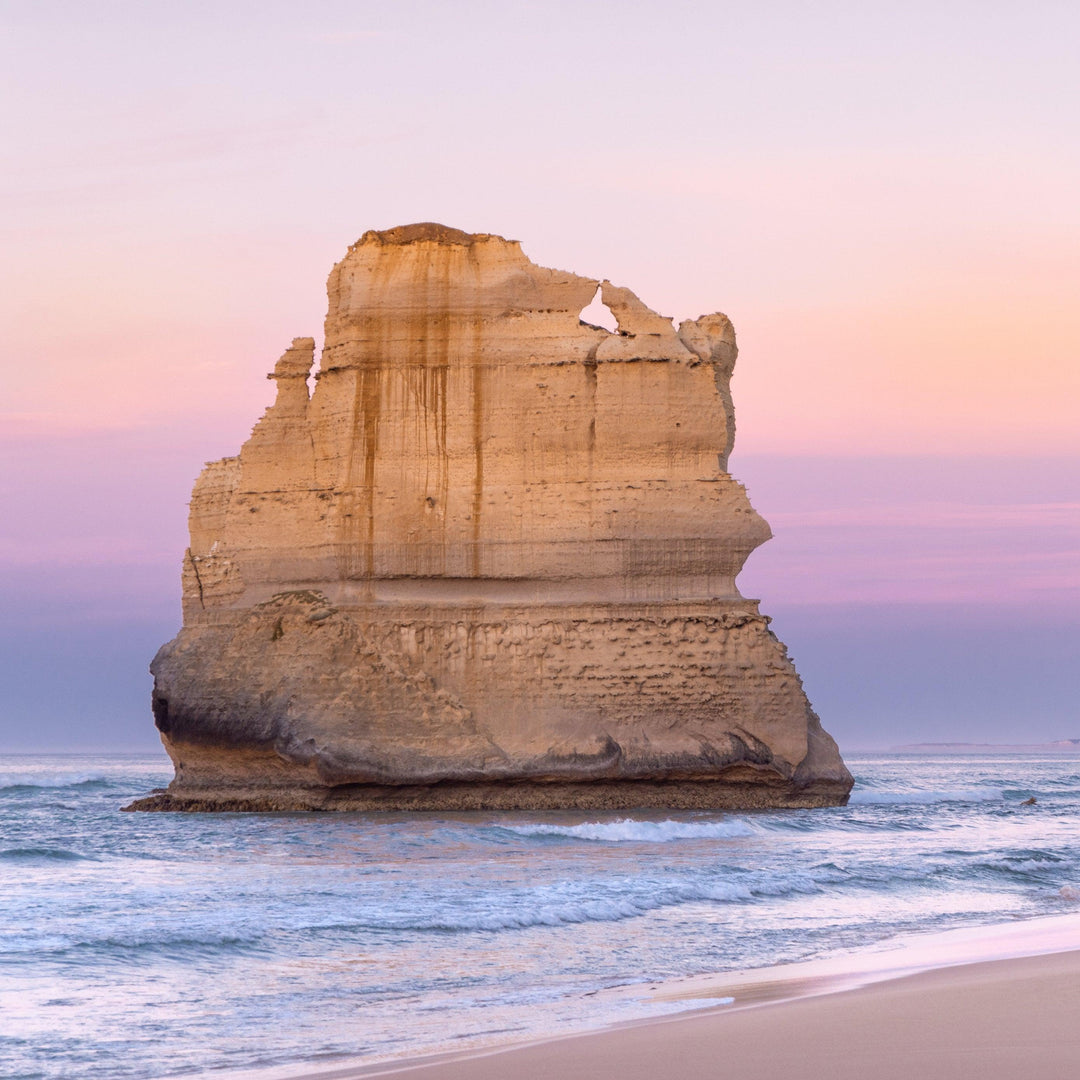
x=649 y=832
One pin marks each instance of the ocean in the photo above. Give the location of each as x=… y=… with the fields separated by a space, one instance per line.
x=154 y=945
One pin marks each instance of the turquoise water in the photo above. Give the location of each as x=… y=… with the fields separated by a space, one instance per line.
x=152 y=945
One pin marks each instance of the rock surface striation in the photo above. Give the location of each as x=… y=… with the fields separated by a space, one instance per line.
x=489 y=562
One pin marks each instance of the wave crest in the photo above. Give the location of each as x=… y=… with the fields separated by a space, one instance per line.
x=14 y=781
x=38 y=854
x=628 y=830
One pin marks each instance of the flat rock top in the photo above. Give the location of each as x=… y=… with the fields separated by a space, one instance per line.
x=429 y=231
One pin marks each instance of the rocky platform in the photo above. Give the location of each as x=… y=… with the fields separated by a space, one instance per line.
x=488 y=563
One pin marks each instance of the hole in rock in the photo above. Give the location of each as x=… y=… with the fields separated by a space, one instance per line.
x=599 y=314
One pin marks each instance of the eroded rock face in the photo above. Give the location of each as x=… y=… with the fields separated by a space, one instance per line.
x=489 y=562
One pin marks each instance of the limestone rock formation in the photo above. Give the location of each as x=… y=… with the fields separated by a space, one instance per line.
x=488 y=562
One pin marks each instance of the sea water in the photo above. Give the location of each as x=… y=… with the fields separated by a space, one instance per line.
x=153 y=945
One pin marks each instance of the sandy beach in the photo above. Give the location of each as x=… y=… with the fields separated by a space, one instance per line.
x=1017 y=1018
x=920 y=1010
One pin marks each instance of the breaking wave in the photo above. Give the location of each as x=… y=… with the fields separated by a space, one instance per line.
x=14 y=781
x=649 y=832
x=42 y=854
x=565 y=911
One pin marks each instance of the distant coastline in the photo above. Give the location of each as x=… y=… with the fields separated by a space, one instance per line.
x=1061 y=746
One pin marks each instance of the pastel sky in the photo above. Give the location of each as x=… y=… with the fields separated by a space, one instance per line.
x=882 y=196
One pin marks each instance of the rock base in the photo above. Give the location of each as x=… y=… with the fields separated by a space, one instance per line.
x=612 y=795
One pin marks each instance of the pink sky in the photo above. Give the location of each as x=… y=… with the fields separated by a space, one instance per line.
x=882 y=197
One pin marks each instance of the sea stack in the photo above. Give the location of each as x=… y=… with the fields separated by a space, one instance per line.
x=488 y=562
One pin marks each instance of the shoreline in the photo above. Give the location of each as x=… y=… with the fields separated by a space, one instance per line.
x=1025 y=976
